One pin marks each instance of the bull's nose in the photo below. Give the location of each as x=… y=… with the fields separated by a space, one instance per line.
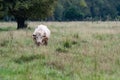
x=38 y=43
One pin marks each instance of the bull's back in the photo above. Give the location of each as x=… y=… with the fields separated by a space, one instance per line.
x=45 y=29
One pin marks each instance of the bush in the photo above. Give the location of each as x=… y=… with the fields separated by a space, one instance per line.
x=67 y=44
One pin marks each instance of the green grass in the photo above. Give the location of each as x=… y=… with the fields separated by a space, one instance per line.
x=76 y=51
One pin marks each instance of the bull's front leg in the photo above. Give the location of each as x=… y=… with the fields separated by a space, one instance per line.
x=45 y=41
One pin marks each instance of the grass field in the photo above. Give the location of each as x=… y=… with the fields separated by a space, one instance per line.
x=76 y=51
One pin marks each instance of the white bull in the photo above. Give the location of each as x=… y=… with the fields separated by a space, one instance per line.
x=41 y=35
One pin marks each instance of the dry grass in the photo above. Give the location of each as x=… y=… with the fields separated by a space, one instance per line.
x=76 y=51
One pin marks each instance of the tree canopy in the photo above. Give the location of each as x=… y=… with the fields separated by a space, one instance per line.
x=87 y=10
x=28 y=9
x=64 y=10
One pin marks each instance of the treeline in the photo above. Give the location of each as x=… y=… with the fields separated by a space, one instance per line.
x=72 y=10
x=81 y=10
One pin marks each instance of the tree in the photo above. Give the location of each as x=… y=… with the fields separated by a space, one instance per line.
x=28 y=9
x=87 y=10
x=58 y=12
x=73 y=13
x=1 y=9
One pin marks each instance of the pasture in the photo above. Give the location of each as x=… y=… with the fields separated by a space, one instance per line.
x=75 y=51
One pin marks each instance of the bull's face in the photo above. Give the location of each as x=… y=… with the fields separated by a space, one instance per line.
x=38 y=38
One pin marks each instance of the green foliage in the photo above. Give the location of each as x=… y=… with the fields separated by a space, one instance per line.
x=85 y=9
x=58 y=14
x=61 y=9
x=67 y=44
x=26 y=9
x=73 y=13
x=83 y=3
x=30 y=8
x=2 y=13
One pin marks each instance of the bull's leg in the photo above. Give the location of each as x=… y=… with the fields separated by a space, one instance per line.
x=45 y=41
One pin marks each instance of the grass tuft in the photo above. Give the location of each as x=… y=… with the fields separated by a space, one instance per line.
x=7 y=29
x=28 y=58
x=67 y=44
x=76 y=36
x=4 y=43
x=103 y=36
x=62 y=49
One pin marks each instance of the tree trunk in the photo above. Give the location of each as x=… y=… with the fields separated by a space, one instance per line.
x=21 y=23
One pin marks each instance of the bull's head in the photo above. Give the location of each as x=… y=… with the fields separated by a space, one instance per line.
x=38 y=38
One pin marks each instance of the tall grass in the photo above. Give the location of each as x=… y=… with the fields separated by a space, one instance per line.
x=76 y=51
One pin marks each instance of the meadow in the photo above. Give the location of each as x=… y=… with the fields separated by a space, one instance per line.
x=76 y=51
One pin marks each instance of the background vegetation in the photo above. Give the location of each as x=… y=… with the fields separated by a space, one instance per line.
x=22 y=10
x=87 y=10
x=65 y=10
x=76 y=51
